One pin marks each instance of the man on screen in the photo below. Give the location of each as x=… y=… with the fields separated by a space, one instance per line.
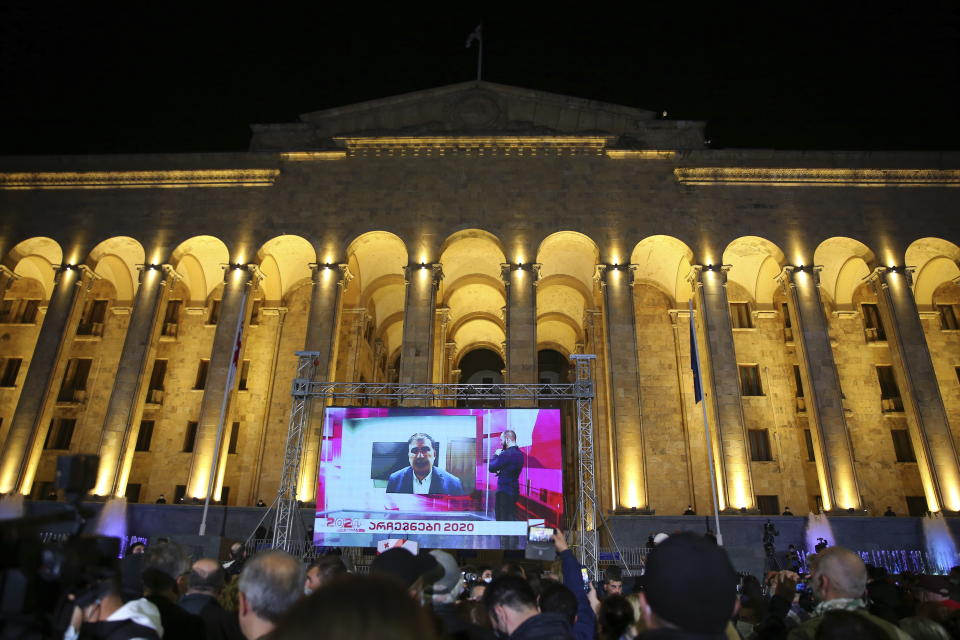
x=507 y=463
x=421 y=476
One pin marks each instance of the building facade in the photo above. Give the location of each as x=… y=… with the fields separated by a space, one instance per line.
x=480 y=232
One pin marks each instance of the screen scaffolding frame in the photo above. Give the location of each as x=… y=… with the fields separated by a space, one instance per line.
x=307 y=390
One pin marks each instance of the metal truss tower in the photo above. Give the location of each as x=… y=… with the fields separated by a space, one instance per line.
x=306 y=390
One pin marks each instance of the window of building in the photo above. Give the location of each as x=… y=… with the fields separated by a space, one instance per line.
x=948 y=317
x=214 y=316
x=155 y=390
x=808 y=440
x=872 y=324
x=74 y=385
x=91 y=320
x=179 y=494
x=902 y=445
x=740 y=317
x=171 y=318
x=750 y=380
x=133 y=492
x=787 y=324
x=224 y=495
x=916 y=506
x=889 y=392
x=190 y=437
x=799 y=401
x=60 y=433
x=760 y=445
x=255 y=312
x=19 y=311
x=768 y=505
x=818 y=503
x=201 y=381
x=234 y=437
x=144 y=436
x=244 y=374
x=9 y=369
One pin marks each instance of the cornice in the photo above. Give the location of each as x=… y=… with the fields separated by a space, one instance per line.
x=174 y=179
x=797 y=177
x=474 y=145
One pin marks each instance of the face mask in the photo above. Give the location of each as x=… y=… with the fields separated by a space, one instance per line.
x=488 y=579
x=307 y=591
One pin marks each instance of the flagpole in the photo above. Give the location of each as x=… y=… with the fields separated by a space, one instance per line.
x=480 y=54
x=706 y=428
x=477 y=34
x=231 y=376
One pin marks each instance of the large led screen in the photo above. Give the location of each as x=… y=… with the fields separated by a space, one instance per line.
x=453 y=478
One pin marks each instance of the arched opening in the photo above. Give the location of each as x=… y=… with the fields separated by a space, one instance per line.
x=371 y=326
x=472 y=295
x=566 y=291
x=664 y=262
x=481 y=366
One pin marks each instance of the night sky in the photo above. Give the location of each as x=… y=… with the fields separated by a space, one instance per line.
x=175 y=77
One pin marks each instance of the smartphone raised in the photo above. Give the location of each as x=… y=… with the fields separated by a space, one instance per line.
x=540 y=534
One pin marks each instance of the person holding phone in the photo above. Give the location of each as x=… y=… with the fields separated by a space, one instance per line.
x=577 y=579
x=507 y=463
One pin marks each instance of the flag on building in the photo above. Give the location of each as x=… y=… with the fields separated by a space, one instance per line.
x=477 y=35
x=695 y=361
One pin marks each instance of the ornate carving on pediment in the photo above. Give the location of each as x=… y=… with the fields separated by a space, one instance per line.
x=476 y=109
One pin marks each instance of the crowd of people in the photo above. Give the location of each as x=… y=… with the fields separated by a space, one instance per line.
x=689 y=589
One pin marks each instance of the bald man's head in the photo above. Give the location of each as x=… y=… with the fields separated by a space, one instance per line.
x=206 y=576
x=838 y=573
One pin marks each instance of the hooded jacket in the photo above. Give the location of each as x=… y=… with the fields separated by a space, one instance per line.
x=136 y=620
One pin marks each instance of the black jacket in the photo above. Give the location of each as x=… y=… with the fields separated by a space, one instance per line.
x=508 y=466
x=220 y=623
x=176 y=622
x=544 y=626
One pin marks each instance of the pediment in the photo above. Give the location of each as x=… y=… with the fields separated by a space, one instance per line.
x=479 y=108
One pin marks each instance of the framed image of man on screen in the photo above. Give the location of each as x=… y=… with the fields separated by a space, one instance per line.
x=422 y=476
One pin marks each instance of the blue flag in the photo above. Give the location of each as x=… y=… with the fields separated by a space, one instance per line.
x=695 y=362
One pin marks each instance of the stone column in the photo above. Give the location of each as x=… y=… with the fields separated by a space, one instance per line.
x=416 y=352
x=207 y=450
x=926 y=415
x=520 y=317
x=355 y=319
x=449 y=351
x=31 y=419
x=680 y=323
x=623 y=385
x=833 y=451
x=323 y=331
x=442 y=323
x=121 y=425
x=328 y=282
x=719 y=364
